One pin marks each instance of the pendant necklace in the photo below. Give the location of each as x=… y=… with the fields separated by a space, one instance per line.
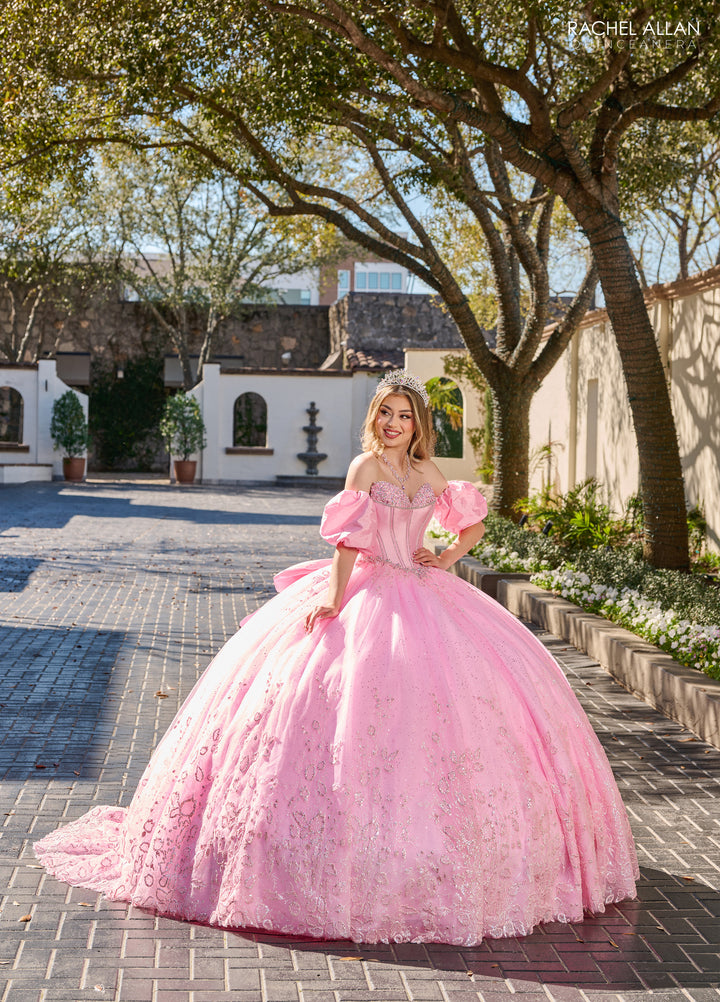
x=401 y=479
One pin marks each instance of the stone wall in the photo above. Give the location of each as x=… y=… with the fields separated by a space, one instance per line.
x=387 y=320
x=260 y=337
x=112 y=330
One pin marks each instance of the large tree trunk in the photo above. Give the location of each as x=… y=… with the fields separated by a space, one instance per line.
x=661 y=480
x=511 y=415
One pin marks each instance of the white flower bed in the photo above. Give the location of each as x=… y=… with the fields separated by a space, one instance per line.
x=500 y=558
x=691 y=644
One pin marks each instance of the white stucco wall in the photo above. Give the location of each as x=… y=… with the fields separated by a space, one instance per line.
x=695 y=393
x=425 y=363
x=39 y=387
x=686 y=318
x=25 y=381
x=341 y=400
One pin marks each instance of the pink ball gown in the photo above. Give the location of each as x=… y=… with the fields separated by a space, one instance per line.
x=416 y=769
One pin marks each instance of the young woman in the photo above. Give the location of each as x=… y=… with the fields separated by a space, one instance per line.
x=381 y=753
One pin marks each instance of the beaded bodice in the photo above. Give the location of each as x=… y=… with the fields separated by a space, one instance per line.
x=401 y=522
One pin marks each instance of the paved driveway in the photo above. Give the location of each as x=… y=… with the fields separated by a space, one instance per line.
x=112 y=598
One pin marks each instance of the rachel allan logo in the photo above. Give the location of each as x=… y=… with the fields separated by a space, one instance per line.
x=628 y=34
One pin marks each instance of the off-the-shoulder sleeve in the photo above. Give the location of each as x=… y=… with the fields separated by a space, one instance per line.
x=461 y=504
x=349 y=520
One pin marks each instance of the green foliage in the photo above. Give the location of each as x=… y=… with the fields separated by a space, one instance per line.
x=182 y=426
x=125 y=414
x=689 y=595
x=44 y=272
x=250 y=421
x=481 y=439
x=68 y=427
x=697 y=530
x=634 y=514
x=447 y=414
x=580 y=518
x=679 y=612
x=529 y=546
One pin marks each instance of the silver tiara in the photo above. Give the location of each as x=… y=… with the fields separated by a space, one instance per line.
x=401 y=377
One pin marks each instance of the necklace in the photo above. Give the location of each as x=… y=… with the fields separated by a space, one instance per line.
x=401 y=479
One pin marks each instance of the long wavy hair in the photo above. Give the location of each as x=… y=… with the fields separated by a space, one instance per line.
x=423 y=439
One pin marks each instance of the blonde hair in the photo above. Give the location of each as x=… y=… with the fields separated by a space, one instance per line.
x=423 y=439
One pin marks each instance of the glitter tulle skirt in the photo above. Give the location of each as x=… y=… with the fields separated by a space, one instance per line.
x=369 y=782
x=416 y=769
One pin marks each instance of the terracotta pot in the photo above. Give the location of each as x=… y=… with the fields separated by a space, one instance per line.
x=74 y=468
x=185 y=470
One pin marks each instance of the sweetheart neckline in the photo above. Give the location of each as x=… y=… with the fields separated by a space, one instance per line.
x=425 y=483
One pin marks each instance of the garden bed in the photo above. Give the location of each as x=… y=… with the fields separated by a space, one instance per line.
x=681 y=693
x=676 y=612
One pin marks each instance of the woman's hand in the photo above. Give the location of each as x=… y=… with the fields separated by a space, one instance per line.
x=320 y=612
x=428 y=558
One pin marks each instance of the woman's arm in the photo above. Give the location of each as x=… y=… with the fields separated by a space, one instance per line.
x=359 y=478
x=340 y=572
x=465 y=541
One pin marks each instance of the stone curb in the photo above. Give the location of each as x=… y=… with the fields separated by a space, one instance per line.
x=683 y=694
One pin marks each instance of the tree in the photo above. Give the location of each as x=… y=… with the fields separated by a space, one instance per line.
x=677 y=230
x=438 y=81
x=563 y=117
x=41 y=274
x=193 y=245
x=359 y=173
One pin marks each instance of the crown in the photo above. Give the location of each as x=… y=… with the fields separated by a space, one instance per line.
x=401 y=377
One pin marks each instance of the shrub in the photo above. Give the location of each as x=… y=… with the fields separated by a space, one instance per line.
x=182 y=426
x=692 y=639
x=579 y=518
x=125 y=414
x=677 y=612
x=68 y=427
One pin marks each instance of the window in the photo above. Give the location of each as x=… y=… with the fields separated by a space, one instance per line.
x=250 y=421
x=343 y=280
x=447 y=414
x=11 y=415
x=305 y=297
x=371 y=278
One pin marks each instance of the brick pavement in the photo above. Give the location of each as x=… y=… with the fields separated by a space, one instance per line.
x=112 y=598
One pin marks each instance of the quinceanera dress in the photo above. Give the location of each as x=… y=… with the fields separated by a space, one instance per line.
x=415 y=769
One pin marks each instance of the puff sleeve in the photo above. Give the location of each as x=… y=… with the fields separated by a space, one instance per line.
x=349 y=520
x=461 y=504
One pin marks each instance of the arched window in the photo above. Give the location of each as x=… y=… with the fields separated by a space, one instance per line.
x=11 y=415
x=250 y=421
x=446 y=404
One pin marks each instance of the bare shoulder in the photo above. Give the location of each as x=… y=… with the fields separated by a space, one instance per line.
x=362 y=472
x=432 y=475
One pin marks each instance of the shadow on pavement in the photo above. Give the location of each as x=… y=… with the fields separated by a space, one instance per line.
x=15 y=572
x=51 y=506
x=53 y=686
x=668 y=938
x=62 y=508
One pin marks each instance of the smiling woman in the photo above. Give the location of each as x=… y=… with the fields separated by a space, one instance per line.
x=376 y=754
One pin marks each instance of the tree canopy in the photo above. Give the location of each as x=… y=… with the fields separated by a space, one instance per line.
x=562 y=95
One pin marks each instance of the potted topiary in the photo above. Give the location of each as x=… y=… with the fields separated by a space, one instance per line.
x=69 y=432
x=183 y=430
